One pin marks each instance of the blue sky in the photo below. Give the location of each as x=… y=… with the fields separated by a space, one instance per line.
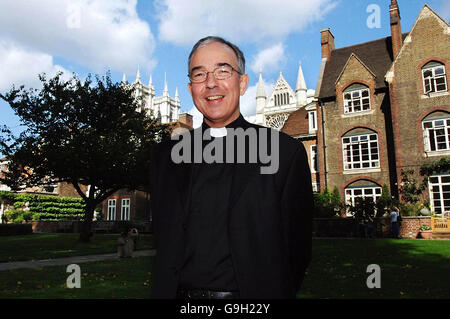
x=93 y=36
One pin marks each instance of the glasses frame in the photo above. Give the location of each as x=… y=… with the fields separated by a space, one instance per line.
x=214 y=73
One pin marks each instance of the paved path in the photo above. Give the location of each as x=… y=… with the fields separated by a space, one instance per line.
x=69 y=260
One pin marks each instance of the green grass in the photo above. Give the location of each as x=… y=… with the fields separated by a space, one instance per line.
x=45 y=246
x=409 y=269
x=117 y=279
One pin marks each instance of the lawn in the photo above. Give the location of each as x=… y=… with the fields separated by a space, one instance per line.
x=46 y=246
x=409 y=269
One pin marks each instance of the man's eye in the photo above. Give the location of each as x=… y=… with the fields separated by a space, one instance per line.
x=198 y=74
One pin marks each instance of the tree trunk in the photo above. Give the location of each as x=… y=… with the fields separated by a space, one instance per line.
x=86 y=227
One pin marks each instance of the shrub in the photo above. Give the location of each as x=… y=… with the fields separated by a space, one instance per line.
x=15 y=229
x=424 y=227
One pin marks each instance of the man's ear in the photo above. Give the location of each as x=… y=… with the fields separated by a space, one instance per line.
x=189 y=85
x=243 y=83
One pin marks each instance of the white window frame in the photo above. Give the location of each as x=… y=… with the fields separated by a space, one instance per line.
x=358 y=142
x=312 y=117
x=431 y=139
x=436 y=185
x=356 y=95
x=313 y=159
x=362 y=191
x=125 y=209
x=111 y=213
x=432 y=79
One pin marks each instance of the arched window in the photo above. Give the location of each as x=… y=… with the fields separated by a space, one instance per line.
x=356 y=98
x=436 y=132
x=360 y=150
x=362 y=189
x=433 y=76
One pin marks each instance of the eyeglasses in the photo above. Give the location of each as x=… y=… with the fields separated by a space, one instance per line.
x=220 y=73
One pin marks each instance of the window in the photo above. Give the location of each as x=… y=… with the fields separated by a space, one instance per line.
x=125 y=211
x=434 y=80
x=436 y=134
x=313 y=159
x=111 y=209
x=352 y=192
x=356 y=99
x=439 y=188
x=360 y=151
x=282 y=99
x=312 y=117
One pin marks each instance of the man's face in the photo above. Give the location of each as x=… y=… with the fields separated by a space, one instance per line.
x=217 y=100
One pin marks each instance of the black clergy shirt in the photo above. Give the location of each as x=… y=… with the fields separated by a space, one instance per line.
x=207 y=259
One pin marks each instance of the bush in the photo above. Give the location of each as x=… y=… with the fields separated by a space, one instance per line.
x=42 y=207
x=327 y=204
x=15 y=229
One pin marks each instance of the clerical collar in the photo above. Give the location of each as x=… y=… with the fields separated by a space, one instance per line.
x=222 y=131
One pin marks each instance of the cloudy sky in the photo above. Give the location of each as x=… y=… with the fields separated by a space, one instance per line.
x=94 y=36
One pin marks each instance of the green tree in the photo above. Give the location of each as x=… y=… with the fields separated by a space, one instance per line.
x=80 y=132
x=410 y=189
x=384 y=202
x=336 y=201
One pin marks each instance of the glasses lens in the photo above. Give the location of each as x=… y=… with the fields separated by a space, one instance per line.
x=223 y=72
x=198 y=76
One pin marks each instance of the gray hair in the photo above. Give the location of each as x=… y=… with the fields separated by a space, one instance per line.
x=210 y=39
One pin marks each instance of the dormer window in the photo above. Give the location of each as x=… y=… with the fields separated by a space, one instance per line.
x=356 y=99
x=434 y=80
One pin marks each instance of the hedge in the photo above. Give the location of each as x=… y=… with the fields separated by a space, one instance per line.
x=46 y=208
x=15 y=229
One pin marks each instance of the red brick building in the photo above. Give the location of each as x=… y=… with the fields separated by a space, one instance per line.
x=383 y=107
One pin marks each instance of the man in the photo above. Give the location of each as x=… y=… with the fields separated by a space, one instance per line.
x=224 y=229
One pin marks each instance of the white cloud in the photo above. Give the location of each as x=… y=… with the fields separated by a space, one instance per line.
x=184 y=22
x=269 y=59
x=21 y=66
x=98 y=34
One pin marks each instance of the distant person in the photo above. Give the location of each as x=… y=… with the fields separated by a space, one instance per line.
x=395 y=229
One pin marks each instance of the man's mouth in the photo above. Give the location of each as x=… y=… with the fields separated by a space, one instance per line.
x=215 y=97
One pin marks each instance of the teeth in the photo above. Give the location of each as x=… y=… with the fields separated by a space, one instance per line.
x=210 y=98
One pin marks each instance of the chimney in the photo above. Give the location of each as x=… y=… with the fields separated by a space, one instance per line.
x=186 y=119
x=327 y=43
x=396 y=29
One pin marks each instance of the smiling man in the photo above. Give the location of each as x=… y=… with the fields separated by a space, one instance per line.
x=223 y=229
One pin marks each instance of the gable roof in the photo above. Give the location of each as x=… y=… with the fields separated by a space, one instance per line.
x=376 y=55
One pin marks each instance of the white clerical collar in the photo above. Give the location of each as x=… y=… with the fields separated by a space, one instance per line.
x=218 y=131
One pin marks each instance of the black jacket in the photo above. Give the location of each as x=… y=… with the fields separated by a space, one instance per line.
x=270 y=221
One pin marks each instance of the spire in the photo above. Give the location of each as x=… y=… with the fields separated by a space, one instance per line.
x=301 y=84
x=176 y=93
x=166 y=91
x=124 y=78
x=138 y=75
x=260 y=92
x=150 y=82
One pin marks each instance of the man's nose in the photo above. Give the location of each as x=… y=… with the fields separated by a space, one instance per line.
x=211 y=80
